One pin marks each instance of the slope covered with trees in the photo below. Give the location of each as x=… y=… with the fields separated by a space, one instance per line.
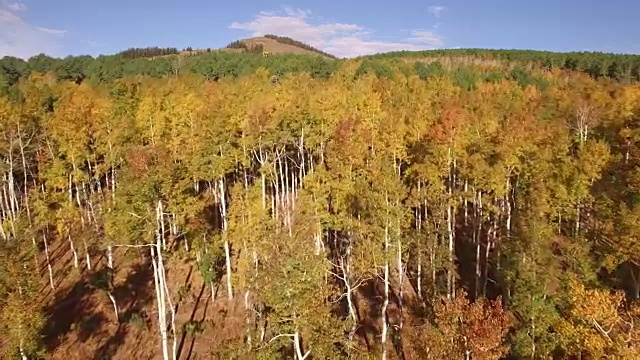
x=147 y=52
x=214 y=64
x=160 y=62
x=374 y=209
x=621 y=67
x=300 y=44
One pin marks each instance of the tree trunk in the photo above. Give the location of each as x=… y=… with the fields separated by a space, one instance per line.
x=577 y=220
x=73 y=251
x=400 y=275
x=110 y=256
x=110 y=266
x=115 y=305
x=466 y=188
x=162 y=324
x=25 y=177
x=162 y=289
x=450 y=279
x=87 y=256
x=247 y=317
x=276 y=189
x=385 y=324
x=298 y=347
x=227 y=255
x=46 y=252
x=419 y=228
x=478 y=236
x=491 y=236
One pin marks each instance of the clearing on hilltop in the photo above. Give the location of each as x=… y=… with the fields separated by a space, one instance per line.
x=275 y=45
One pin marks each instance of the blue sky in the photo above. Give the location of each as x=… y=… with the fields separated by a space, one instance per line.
x=345 y=28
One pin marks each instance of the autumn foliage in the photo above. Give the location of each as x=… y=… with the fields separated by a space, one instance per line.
x=362 y=208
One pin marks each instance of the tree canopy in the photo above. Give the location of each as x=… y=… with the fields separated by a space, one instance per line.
x=379 y=207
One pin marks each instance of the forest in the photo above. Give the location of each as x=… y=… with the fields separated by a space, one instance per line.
x=161 y=62
x=296 y=207
x=622 y=67
x=133 y=53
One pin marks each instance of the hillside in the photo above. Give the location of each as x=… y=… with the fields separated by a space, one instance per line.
x=226 y=205
x=243 y=57
x=388 y=208
x=275 y=45
x=624 y=67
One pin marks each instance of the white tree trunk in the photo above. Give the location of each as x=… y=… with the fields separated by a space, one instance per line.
x=171 y=308
x=115 y=305
x=46 y=252
x=578 y=219
x=247 y=317
x=478 y=242
x=110 y=256
x=345 y=269
x=162 y=323
x=23 y=356
x=385 y=325
x=450 y=279
x=110 y=266
x=87 y=256
x=508 y=203
x=73 y=251
x=24 y=174
x=276 y=188
x=2 y=232
x=466 y=188
x=162 y=290
x=113 y=183
x=298 y=347
x=400 y=277
x=263 y=182
x=302 y=165
x=227 y=255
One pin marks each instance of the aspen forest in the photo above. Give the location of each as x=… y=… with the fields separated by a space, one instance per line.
x=297 y=207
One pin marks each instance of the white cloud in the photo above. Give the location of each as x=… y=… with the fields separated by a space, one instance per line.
x=296 y=12
x=13 y=6
x=90 y=43
x=426 y=37
x=349 y=46
x=340 y=39
x=51 y=31
x=436 y=10
x=22 y=39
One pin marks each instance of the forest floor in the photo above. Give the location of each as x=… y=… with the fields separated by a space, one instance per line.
x=80 y=322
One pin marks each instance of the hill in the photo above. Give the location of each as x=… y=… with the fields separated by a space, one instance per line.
x=624 y=67
x=275 y=45
x=244 y=56
x=431 y=205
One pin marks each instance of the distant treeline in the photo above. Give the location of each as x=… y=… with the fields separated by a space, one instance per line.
x=134 y=53
x=237 y=45
x=212 y=65
x=621 y=67
x=290 y=41
x=255 y=49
